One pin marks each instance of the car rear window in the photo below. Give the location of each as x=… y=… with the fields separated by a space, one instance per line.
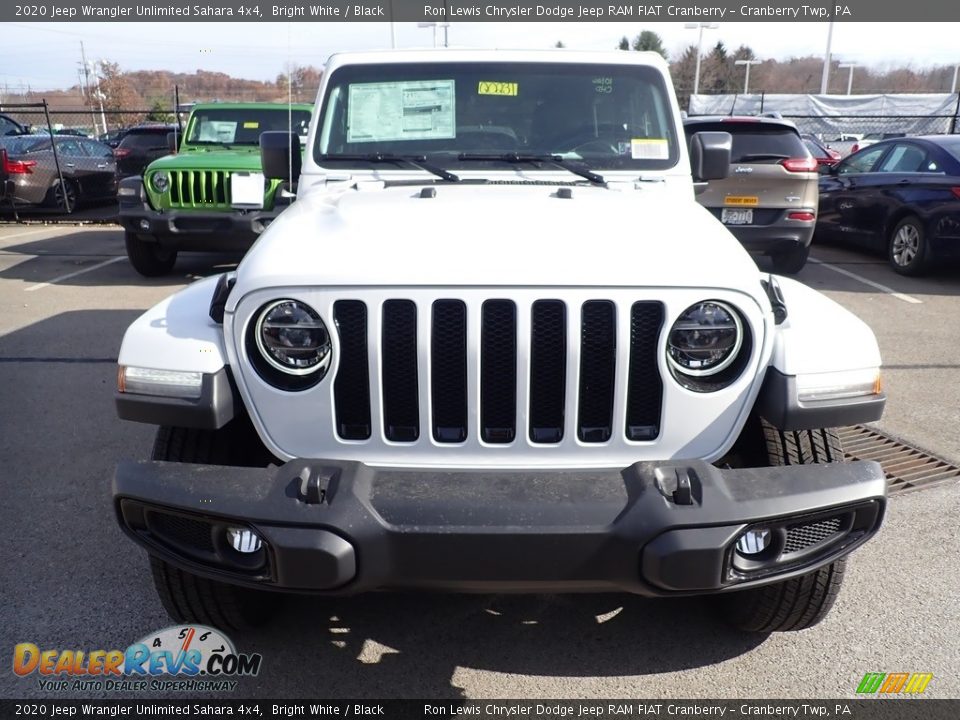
x=152 y=138
x=951 y=145
x=757 y=142
x=25 y=144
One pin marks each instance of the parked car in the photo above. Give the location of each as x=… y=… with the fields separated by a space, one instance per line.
x=9 y=126
x=140 y=146
x=899 y=196
x=476 y=354
x=873 y=138
x=113 y=137
x=769 y=200
x=825 y=156
x=87 y=167
x=212 y=194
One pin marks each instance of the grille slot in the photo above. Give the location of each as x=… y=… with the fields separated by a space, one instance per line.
x=351 y=389
x=401 y=407
x=645 y=388
x=189 y=533
x=199 y=188
x=498 y=371
x=548 y=370
x=800 y=537
x=448 y=359
x=598 y=348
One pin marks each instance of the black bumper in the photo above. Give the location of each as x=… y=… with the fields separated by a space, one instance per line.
x=773 y=239
x=191 y=229
x=653 y=528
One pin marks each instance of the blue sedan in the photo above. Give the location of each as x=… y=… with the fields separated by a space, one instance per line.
x=901 y=196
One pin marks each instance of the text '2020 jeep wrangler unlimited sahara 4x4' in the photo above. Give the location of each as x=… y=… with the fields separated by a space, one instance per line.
x=495 y=345
x=210 y=194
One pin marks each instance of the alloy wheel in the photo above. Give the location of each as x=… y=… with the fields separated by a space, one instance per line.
x=906 y=245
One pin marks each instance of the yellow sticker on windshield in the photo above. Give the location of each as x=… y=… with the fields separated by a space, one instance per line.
x=251 y=125
x=487 y=87
x=649 y=149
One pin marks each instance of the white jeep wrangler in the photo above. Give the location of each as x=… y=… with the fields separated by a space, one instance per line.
x=496 y=346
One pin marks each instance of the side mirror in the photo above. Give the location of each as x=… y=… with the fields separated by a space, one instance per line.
x=280 y=155
x=710 y=155
x=172 y=142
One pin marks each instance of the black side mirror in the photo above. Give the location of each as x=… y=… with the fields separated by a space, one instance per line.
x=280 y=155
x=172 y=142
x=710 y=155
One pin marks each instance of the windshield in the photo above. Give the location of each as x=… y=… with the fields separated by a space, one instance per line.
x=609 y=116
x=239 y=126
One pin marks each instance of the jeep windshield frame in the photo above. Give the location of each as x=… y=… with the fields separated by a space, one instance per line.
x=241 y=127
x=604 y=117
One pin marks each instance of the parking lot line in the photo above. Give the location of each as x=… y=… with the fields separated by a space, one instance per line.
x=29 y=232
x=42 y=285
x=871 y=283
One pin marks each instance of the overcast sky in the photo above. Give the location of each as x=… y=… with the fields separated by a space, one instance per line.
x=46 y=55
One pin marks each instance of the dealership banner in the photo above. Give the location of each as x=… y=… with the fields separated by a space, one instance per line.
x=915 y=709
x=479 y=11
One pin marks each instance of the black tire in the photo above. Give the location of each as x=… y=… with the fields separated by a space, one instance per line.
x=65 y=202
x=907 y=247
x=802 y=602
x=187 y=597
x=792 y=261
x=148 y=258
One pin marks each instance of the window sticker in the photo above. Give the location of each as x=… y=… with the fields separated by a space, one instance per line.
x=217 y=131
x=252 y=125
x=490 y=87
x=406 y=110
x=649 y=149
x=603 y=85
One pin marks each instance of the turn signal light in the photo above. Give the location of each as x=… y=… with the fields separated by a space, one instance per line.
x=803 y=215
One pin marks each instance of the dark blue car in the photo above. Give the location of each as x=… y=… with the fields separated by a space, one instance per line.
x=901 y=196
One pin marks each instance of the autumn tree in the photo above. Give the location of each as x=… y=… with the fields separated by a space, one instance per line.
x=117 y=93
x=304 y=82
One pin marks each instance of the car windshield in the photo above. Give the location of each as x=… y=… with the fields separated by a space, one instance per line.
x=240 y=126
x=473 y=114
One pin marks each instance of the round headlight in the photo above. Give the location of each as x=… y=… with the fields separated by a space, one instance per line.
x=293 y=338
x=705 y=339
x=160 y=181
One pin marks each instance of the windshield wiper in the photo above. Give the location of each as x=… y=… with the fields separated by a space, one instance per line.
x=419 y=161
x=555 y=160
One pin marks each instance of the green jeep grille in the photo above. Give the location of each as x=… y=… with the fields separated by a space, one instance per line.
x=200 y=189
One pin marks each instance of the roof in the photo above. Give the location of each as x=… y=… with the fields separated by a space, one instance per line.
x=760 y=119
x=451 y=55
x=249 y=106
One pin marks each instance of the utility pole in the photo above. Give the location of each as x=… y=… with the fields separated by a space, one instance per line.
x=850 y=67
x=96 y=78
x=825 y=79
x=746 y=77
x=85 y=70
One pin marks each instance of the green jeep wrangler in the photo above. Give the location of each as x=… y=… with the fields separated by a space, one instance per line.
x=210 y=195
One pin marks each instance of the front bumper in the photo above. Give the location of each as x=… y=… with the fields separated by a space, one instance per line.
x=657 y=529
x=187 y=228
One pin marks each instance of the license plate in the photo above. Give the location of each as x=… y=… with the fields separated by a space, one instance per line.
x=246 y=190
x=738 y=216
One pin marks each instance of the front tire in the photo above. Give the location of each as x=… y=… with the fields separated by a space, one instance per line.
x=800 y=602
x=907 y=247
x=147 y=257
x=190 y=598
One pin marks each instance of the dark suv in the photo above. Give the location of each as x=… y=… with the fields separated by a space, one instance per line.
x=769 y=200
x=140 y=146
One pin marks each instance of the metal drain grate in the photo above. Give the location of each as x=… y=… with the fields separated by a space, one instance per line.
x=907 y=468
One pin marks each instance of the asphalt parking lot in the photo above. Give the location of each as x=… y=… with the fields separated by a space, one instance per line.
x=70 y=579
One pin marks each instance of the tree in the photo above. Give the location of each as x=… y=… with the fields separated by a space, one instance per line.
x=304 y=81
x=650 y=41
x=624 y=43
x=560 y=44
x=118 y=93
x=160 y=113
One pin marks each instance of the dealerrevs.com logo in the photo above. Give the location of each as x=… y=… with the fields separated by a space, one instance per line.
x=180 y=657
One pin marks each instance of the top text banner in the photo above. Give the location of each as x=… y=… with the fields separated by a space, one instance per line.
x=477 y=11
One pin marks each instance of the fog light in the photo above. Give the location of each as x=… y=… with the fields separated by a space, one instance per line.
x=244 y=540
x=754 y=542
x=144 y=224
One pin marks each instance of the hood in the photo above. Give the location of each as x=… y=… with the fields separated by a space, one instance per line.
x=209 y=160
x=497 y=235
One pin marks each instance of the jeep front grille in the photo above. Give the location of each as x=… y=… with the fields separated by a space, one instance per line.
x=428 y=343
x=200 y=189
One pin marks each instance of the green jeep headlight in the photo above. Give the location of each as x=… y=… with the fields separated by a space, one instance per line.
x=160 y=181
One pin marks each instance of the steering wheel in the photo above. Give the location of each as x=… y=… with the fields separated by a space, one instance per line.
x=604 y=139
